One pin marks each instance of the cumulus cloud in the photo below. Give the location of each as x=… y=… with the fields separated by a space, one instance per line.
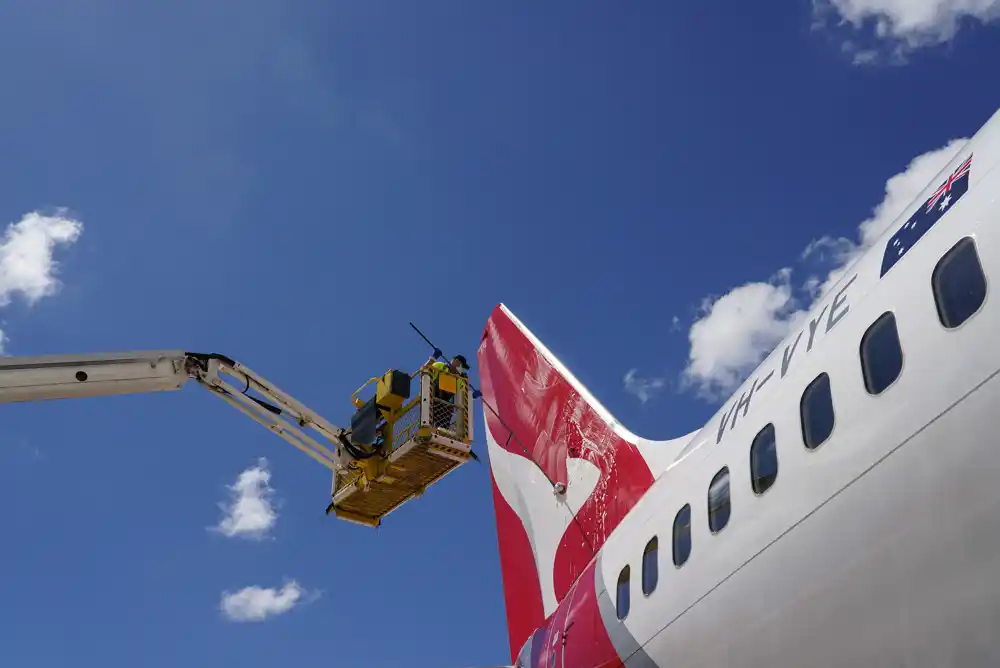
x=255 y=604
x=643 y=388
x=737 y=330
x=897 y=27
x=26 y=263
x=250 y=512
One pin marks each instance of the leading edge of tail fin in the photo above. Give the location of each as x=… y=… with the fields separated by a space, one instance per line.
x=550 y=430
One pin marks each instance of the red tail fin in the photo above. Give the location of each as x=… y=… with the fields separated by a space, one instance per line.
x=549 y=430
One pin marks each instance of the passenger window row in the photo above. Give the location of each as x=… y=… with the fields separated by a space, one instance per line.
x=958 y=283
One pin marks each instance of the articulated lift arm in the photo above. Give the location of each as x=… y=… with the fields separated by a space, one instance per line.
x=76 y=376
x=429 y=436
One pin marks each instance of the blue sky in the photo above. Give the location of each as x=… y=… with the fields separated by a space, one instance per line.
x=290 y=183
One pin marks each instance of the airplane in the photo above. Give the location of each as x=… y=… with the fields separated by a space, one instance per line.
x=841 y=508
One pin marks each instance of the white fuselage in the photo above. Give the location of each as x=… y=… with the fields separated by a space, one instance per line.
x=880 y=547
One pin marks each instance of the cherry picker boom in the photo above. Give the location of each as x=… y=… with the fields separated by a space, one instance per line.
x=395 y=448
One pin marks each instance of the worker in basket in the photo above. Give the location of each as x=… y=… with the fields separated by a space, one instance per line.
x=443 y=409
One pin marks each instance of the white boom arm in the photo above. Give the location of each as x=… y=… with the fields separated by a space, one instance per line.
x=102 y=374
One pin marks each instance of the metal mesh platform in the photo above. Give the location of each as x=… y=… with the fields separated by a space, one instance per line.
x=421 y=465
x=431 y=437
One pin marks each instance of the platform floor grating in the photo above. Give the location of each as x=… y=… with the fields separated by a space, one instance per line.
x=410 y=474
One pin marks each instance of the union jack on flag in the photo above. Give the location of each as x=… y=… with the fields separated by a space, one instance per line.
x=963 y=170
x=926 y=215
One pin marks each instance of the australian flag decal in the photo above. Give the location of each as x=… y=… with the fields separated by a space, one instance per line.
x=924 y=218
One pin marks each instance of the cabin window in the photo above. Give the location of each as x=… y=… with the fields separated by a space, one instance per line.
x=623 y=600
x=718 y=501
x=763 y=460
x=650 y=567
x=682 y=535
x=881 y=354
x=959 y=284
x=816 y=410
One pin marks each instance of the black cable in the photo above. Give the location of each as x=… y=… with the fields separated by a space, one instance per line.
x=202 y=360
x=353 y=449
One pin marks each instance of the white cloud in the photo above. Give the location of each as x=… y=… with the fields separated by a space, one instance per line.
x=255 y=604
x=26 y=263
x=736 y=331
x=250 y=512
x=643 y=388
x=903 y=25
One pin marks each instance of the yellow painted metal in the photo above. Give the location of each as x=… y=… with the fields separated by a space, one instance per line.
x=373 y=467
x=388 y=401
x=357 y=517
x=385 y=394
x=448 y=383
x=423 y=452
x=402 y=480
x=358 y=403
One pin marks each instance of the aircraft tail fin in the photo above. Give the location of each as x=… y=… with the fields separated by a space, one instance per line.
x=564 y=471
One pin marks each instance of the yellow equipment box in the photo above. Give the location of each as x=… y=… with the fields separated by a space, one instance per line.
x=393 y=390
x=448 y=383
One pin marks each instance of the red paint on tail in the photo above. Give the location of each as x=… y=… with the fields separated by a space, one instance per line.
x=521 y=591
x=554 y=421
